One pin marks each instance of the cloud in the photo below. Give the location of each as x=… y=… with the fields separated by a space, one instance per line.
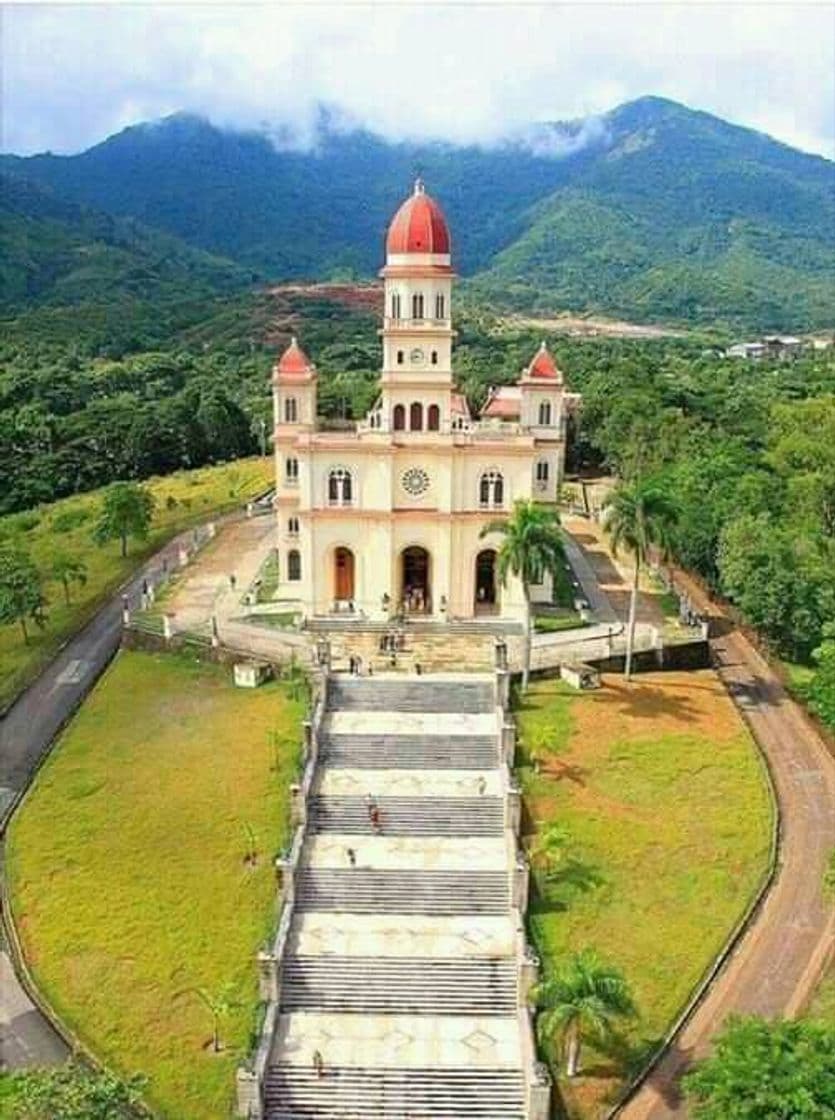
x=465 y=73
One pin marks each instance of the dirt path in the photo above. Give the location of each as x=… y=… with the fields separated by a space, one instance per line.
x=776 y=965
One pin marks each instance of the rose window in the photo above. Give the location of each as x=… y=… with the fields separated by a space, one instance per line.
x=415 y=481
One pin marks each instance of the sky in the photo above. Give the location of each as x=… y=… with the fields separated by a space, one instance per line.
x=466 y=72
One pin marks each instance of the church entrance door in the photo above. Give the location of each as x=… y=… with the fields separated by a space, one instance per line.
x=417 y=597
x=486 y=589
x=344 y=567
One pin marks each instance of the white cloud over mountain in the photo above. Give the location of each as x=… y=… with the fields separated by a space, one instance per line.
x=467 y=72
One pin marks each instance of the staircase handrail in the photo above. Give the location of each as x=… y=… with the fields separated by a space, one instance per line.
x=251 y=1078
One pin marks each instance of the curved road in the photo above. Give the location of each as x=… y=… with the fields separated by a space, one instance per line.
x=777 y=963
x=26 y=732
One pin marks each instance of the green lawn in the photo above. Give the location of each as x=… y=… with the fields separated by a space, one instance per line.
x=182 y=499
x=823 y=1005
x=555 y=623
x=663 y=795
x=127 y=875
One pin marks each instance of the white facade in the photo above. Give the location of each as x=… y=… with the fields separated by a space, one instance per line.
x=388 y=517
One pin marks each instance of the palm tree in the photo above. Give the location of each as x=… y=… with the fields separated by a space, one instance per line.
x=68 y=569
x=549 y=851
x=641 y=515
x=219 y=1004
x=532 y=545
x=583 y=998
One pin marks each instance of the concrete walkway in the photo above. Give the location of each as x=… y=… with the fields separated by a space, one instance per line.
x=776 y=966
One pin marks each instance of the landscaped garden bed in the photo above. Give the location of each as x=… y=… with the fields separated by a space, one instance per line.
x=666 y=815
x=141 y=870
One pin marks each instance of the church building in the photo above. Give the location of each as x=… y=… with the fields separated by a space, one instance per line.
x=386 y=519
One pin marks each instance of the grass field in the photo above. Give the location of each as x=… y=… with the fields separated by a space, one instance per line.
x=127 y=874
x=823 y=1005
x=182 y=499
x=665 y=802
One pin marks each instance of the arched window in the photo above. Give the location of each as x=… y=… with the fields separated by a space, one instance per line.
x=293 y=526
x=400 y=357
x=399 y=418
x=433 y=418
x=542 y=472
x=291 y=471
x=440 y=306
x=294 y=564
x=340 y=488
x=545 y=413
x=395 y=305
x=434 y=357
x=416 y=416
x=291 y=410
x=491 y=490
x=417 y=305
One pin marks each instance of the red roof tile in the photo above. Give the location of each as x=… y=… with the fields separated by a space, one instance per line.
x=503 y=403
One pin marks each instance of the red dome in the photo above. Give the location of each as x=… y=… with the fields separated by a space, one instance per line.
x=419 y=226
x=294 y=359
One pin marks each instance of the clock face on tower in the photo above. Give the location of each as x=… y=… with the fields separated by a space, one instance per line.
x=416 y=356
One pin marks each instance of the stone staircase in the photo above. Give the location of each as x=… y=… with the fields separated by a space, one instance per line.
x=399 y=988
x=399 y=985
x=409 y=816
x=358 y=1094
x=376 y=694
x=402 y=891
x=415 y=752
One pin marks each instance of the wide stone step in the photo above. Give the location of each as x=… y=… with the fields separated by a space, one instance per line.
x=358 y=1093
x=409 y=752
x=361 y=891
x=408 y=816
x=399 y=985
x=425 y=695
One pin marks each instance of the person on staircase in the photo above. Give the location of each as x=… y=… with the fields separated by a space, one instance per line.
x=318 y=1063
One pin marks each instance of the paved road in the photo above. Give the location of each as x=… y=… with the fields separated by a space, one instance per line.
x=777 y=964
x=26 y=733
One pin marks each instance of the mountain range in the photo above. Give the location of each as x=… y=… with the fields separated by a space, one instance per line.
x=652 y=211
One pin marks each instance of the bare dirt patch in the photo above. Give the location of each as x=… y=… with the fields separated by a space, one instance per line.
x=589 y=326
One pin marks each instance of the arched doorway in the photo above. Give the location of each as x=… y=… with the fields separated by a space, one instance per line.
x=343 y=562
x=486 y=584
x=416 y=587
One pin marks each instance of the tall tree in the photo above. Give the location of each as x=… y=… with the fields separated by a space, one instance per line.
x=641 y=516
x=68 y=569
x=531 y=546
x=583 y=998
x=766 y=1071
x=21 y=590
x=126 y=511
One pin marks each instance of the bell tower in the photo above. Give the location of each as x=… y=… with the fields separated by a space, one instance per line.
x=417 y=332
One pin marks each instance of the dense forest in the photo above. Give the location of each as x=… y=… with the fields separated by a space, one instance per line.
x=746 y=448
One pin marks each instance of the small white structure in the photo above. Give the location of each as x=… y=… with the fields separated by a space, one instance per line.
x=249 y=674
x=579 y=675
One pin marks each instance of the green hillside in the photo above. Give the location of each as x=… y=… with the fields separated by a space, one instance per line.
x=686 y=218
x=59 y=253
x=656 y=212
